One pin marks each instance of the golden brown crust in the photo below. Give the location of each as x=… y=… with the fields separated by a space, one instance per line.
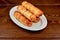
x=32 y=8
x=26 y=13
x=22 y=19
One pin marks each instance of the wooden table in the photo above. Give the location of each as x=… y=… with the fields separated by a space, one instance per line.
x=10 y=31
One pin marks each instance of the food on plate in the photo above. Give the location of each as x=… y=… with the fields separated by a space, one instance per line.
x=37 y=12
x=27 y=14
x=22 y=19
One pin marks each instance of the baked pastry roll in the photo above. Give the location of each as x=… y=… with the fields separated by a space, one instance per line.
x=22 y=19
x=32 y=8
x=27 y=14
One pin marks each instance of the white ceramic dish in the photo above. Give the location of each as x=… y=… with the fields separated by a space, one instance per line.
x=35 y=26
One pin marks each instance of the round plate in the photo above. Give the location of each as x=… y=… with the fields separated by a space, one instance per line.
x=35 y=26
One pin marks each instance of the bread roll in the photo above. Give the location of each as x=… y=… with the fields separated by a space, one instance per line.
x=32 y=8
x=22 y=19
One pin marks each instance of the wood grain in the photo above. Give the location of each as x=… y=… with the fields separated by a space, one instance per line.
x=10 y=31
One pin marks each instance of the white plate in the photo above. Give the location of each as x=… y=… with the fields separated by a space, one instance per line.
x=35 y=26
